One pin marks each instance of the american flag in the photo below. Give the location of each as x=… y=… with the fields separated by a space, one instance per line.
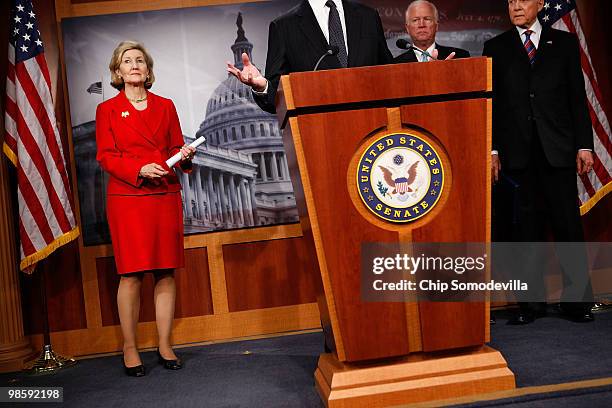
x=562 y=15
x=32 y=143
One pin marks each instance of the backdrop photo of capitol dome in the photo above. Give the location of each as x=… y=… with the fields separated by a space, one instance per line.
x=240 y=177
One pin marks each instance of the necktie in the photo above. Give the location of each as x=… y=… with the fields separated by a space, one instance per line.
x=529 y=46
x=336 y=35
x=423 y=57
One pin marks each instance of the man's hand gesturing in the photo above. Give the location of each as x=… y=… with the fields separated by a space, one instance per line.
x=249 y=75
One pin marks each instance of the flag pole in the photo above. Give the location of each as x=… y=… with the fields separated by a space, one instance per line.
x=48 y=362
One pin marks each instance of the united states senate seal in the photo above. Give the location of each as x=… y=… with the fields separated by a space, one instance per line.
x=400 y=177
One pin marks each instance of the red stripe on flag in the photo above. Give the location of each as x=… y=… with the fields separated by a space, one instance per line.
x=42 y=63
x=11 y=110
x=587 y=185
x=26 y=243
x=11 y=72
x=31 y=146
x=600 y=171
x=41 y=114
x=599 y=130
x=30 y=199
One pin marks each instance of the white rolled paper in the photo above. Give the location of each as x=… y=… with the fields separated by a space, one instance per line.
x=177 y=157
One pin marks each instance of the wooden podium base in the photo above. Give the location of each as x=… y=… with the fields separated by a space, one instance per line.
x=415 y=378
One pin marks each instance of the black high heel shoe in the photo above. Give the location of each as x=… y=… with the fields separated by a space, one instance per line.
x=138 y=371
x=170 y=364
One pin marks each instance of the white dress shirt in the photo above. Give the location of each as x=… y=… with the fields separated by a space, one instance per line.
x=535 y=36
x=321 y=12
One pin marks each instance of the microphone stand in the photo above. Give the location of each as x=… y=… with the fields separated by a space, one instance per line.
x=331 y=51
x=404 y=44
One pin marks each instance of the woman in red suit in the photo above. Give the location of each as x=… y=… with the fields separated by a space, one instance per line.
x=136 y=131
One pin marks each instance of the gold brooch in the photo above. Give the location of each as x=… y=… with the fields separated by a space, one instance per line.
x=125 y=114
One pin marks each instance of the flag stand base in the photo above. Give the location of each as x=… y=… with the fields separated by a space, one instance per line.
x=598 y=307
x=49 y=362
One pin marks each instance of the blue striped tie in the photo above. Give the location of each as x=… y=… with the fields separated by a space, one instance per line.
x=336 y=35
x=530 y=47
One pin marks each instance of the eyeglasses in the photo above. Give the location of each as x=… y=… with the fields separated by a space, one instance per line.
x=521 y=2
x=418 y=21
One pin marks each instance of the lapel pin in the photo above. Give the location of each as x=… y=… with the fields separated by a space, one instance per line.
x=125 y=114
x=548 y=42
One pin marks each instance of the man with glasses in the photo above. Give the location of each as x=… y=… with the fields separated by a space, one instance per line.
x=542 y=137
x=422 y=26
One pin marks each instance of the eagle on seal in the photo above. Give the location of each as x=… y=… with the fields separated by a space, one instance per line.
x=400 y=185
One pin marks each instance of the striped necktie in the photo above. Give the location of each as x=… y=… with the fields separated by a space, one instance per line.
x=336 y=35
x=530 y=47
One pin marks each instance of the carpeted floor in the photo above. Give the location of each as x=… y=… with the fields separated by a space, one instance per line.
x=600 y=397
x=278 y=372
x=553 y=350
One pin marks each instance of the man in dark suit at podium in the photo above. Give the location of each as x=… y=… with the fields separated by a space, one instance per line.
x=344 y=33
x=542 y=134
x=422 y=21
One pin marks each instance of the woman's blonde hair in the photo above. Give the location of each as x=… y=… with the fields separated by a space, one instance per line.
x=115 y=62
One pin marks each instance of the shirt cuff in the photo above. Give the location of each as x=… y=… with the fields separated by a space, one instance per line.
x=264 y=92
x=495 y=152
x=585 y=150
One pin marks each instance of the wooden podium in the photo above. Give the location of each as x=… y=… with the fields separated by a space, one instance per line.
x=335 y=123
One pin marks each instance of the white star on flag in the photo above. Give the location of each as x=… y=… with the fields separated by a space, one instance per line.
x=31 y=14
x=17 y=19
x=30 y=26
x=39 y=43
x=26 y=37
x=20 y=8
x=558 y=7
x=546 y=6
x=24 y=48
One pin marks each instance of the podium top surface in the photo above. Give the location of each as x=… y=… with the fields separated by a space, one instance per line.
x=384 y=85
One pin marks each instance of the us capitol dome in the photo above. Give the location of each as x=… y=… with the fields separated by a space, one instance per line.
x=235 y=123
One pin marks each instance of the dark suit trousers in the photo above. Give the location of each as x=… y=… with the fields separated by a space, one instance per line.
x=548 y=193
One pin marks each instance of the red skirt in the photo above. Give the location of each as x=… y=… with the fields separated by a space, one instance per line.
x=147 y=231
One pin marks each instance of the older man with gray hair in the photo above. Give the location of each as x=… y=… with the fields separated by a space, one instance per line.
x=422 y=25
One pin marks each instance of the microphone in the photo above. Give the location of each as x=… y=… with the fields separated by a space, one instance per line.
x=405 y=45
x=332 y=50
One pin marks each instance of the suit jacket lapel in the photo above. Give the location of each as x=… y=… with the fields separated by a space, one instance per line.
x=155 y=116
x=309 y=25
x=443 y=52
x=409 y=56
x=353 y=32
x=518 y=47
x=131 y=117
x=543 y=47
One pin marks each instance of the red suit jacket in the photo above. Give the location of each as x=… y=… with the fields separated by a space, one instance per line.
x=126 y=142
